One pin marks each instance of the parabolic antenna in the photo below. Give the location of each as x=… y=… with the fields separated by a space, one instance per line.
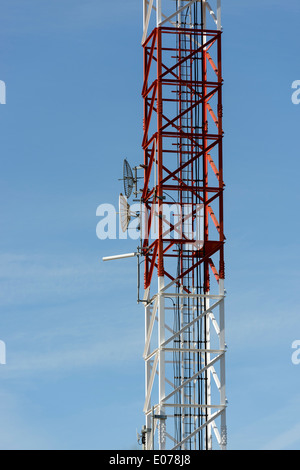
x=128 y=179
x=124 y=210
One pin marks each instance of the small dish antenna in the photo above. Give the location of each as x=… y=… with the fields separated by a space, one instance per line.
x=125 y=212
x=128 y=178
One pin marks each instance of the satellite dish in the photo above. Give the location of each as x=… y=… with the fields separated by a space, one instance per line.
x=125 y=214
x=128 y=179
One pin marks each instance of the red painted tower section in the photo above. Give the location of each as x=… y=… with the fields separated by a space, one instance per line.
x=188 y=159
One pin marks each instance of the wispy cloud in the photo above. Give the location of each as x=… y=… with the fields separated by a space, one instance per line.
x=286 y=440
x=69 y=357
x=16 y=432
x=58 y=314
x=28 y=279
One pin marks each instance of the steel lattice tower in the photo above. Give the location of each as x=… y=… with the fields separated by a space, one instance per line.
x=185 y=402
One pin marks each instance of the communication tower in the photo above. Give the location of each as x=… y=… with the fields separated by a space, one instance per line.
x=182 y=205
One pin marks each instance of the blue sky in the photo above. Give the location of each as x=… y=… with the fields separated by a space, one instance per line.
x=74 y=377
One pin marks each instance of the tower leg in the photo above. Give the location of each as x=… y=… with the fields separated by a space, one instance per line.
x=161 y=362
x=222 y=370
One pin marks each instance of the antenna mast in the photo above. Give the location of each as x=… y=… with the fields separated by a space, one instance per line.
x=184 y=266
